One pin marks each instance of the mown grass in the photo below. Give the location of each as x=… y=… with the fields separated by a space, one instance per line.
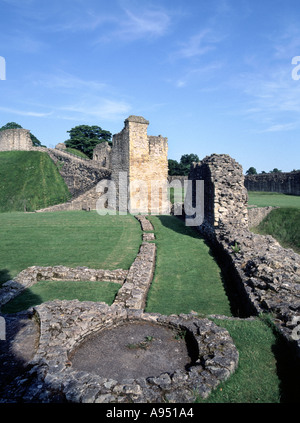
x=44 y=291
x=187 y=277
x=29 y=180
x=266 y=371
x=265 y=199
x=74 y=238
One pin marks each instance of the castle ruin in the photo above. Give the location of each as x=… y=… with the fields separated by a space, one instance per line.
x=15 y=139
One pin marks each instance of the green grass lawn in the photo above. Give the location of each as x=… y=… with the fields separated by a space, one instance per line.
x=30 y=179
x=186 y=276
x=266 y=372
x=265 y=199
x=44 y=291
x=74 y=238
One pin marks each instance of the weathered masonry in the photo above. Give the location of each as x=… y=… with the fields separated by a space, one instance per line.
x=265 y=274
x=139 y=166
x=282 y=182
x=15 y=139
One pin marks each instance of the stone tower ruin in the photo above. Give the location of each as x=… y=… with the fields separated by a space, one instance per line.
x=139 y=166
x=15 y=139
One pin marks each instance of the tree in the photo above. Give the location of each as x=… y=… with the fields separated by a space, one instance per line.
x=14 y=125
x=85 y=138
x=174 y=167
x=182 y=168
x=186 y=162
x=251 y=171
x=275 y=170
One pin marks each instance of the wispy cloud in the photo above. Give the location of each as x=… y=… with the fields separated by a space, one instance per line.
x=24 y=112
x=197 y=45
x=132 y=25
x=100 y=109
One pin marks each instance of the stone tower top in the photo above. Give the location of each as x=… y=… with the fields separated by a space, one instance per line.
x=136 y=119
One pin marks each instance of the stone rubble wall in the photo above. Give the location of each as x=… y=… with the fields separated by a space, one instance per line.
x=282 y=182
x=133 y=293
x=86 y=201
x=266 y=274
x=257 y=214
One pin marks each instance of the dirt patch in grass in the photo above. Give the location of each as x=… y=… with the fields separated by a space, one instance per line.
x=131 y=351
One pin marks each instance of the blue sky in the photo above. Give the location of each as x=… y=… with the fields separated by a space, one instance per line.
x=213 y=76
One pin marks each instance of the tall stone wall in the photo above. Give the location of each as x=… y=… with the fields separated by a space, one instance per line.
x=143 y=163
x=225 y=196
x=15 y=139
x=265 y=275
x=284 y=183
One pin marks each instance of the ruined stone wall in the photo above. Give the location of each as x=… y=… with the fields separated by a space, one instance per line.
x=266 y=275
x=102 y=154
x=144 y=160
x=15 y=139
x=284 y=183
x=225 y=196
x=80 y=175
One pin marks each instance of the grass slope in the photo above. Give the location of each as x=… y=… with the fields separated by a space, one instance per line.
x=29 y=179
x=283 y=223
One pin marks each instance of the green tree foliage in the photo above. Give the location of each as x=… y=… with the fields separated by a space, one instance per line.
x=275 y=170
x=14 y=125
x=183 y=167
x=251 y=171
x=85 y=138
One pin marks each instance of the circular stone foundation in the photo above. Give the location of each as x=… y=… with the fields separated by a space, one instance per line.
x=92 y=352
x=133 y=350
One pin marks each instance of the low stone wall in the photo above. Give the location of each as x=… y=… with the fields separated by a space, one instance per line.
x=257 y=214
x=32 y=275
x=86 y=201
x=64 y=325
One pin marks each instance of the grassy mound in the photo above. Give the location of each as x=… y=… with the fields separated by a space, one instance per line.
x=29 y=180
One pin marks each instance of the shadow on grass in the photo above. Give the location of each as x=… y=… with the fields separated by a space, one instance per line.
x=4 y=276
x=288 y=370
x=17 y=349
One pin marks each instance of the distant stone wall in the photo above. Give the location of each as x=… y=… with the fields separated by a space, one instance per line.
x=284 y=183
x=102 y=154
x=266 y=275
x=15 y=139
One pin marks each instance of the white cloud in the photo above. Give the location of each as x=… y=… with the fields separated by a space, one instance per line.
x=134 y=25
x=24 y=113
x=100 y=109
